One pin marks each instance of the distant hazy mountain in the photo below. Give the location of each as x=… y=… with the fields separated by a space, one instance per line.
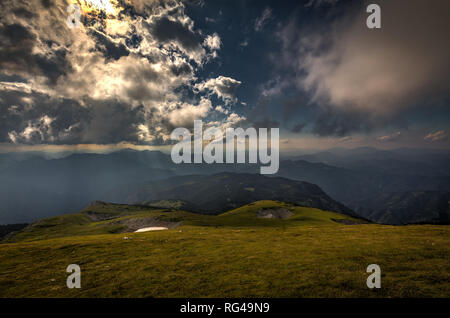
x=221 y=192
x=408 y=207
x=399 y=161
x=364 y=178
x=350 y=186
x=34 y=185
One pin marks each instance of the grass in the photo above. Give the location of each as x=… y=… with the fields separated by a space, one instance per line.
x=231 y=255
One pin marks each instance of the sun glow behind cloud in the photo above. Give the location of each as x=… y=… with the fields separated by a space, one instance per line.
x=111 y=8
x=134 y=69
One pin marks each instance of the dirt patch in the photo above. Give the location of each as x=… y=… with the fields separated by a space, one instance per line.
x=347 y=222
x=275 y=213
x=132 y=225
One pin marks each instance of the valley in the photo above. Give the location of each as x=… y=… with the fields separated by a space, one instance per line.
x=403 y=186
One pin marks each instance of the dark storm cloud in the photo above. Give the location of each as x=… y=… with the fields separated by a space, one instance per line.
x=16 y=40
x=109 y=49
x=291 y=106
x=47 y=3
x=12 y=78
x=16 y=54
x=140 y=91
x=330 y=122
x=259 y=117
x=127 y=77
x=181 y=69
x=53 y=65
x=112 y=122
x=21 y=110
x=33 y=118
x=382 y=71
x=166 y=30
x=359 y=79
x=23 y=13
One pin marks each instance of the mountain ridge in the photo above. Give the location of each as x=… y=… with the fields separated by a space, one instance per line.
x=220 y=192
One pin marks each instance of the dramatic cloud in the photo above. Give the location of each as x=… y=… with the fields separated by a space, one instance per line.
x=360 y=78
x=184 y=115
x=127 y=74
x=381 y=71
x=40 y=131
x=331 y=122
x=33 y=117
x=177 y=34
x=233 y=120
x=135 y=69
x=223 y=87
x=20 y=54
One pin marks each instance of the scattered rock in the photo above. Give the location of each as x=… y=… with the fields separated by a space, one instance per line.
x=274 y=213
x=95 y=216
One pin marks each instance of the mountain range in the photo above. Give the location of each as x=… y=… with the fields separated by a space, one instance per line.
x=217 y=193
x=373 y=183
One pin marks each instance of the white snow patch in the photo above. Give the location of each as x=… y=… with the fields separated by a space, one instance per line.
x=153 y=228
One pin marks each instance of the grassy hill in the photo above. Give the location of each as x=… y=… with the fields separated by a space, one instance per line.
x=239 y=253
x=108 y=218
x=218 y=193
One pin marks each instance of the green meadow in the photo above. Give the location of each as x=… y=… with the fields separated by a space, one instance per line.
x=312 y=253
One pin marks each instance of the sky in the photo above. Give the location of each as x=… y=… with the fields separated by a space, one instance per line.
x=134 y=70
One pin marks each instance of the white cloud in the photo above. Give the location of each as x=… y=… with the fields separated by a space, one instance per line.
x=223 y=87
x=230 y=121
x=213 y=42
x=222 y=110
x=184 y=114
